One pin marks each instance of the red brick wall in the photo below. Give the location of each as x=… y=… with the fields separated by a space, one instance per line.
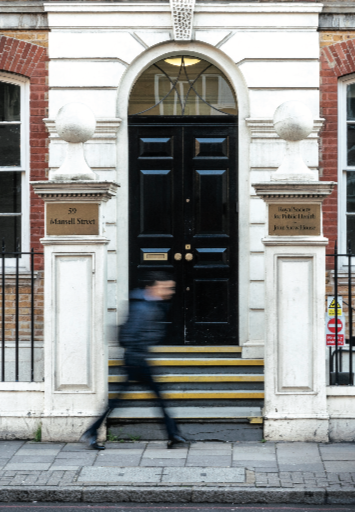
x=30 y=60
x=336 y=60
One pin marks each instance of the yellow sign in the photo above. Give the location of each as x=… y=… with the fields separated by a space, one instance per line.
x=290 y=219
x=331 y=308
x=72 y=219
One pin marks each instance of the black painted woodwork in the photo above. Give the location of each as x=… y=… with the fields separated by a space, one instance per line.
x=183 y=190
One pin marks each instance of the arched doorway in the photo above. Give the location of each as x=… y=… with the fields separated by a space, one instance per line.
x=183 y=193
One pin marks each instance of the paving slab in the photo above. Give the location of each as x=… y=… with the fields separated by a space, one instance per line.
x=165 y=454
x=116 y=445
x=122 y=474
x=88 y=455
x=258 y=464
x=76 y=447
x=209 y=461
x=208 y=475
x=211 y=446
x=118 y=452
x=115 y=462
x=18 y=459
x=73 y=462
x=255 y=451
x=59 y=467
x=210 y=452
x=298 y=457
x=9 y=448
x=31 y=445
x=162 y=462
x=339 y=451
x=40 y=452
x=18 y=466
x=342 y=466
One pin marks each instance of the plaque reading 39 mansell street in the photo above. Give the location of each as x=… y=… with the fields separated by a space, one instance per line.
x=72 y=219
x=289 y=219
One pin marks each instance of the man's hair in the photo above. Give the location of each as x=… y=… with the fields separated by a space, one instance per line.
x=150 y=278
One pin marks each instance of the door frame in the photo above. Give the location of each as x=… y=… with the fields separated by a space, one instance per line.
x=236 y=79
x=141 y=122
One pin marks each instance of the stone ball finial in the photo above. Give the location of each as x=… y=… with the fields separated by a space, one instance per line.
x=75 y=122
x=293 y=121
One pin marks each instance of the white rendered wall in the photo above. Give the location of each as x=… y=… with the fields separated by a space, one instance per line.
x=22 y=405
x=341 y=409
x=270 y=54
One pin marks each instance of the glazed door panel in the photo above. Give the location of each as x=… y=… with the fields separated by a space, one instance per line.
x=183 y=195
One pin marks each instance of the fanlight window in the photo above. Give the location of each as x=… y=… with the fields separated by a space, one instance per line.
x=182 y=86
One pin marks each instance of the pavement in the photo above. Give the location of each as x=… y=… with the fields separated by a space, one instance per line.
x=203 y=472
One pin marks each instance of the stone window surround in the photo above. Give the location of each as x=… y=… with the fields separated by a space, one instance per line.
x=23 y=83
x=342 y=163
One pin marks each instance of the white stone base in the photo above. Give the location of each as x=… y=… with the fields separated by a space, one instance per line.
x=253 y=350
x=342 y=430
x=68 y=429
x=316 y=430
x=15 y=427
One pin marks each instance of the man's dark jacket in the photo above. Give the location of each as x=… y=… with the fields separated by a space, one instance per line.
x=143 y=328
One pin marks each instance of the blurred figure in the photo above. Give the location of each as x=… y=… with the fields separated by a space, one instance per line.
x=143 y=329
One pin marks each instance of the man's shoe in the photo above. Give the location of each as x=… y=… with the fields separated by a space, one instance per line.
x=177 y=439
x=96 y=446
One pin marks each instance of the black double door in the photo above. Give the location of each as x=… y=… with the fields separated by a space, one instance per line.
x=183 y=219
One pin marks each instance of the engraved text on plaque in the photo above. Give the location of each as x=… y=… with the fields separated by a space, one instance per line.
x=72 y=219
x=289 y=219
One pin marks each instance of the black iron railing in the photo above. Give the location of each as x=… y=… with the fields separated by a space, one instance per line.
x=14 y=304
x=341 y=356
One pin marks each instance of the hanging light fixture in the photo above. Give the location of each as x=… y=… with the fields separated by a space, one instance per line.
x=177 y=61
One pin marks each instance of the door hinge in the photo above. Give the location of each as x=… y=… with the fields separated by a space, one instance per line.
x=237 y=207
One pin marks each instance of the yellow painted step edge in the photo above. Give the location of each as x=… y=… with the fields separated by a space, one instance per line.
x=196 y=378
x=196 y=350
x=196 y=362
x=186 y=395
x=256 y=420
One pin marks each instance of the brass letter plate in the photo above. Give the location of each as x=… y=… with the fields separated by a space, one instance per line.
x=155 y=256
x=289 y=219
x=72 y=219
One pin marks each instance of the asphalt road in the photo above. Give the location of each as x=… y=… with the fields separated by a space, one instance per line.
x=150 y=507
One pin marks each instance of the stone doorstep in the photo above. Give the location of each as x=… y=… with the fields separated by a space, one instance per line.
x=172 y=494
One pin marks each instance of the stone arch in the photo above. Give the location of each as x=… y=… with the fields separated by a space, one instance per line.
x=236 y=80
x=29 y=60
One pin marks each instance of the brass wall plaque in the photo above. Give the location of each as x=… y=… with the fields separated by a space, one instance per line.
x=289 y=219
x=154 y=256
x=72 y=219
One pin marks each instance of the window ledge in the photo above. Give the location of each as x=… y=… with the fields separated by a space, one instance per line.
x=23 y=275
x=21 y=386
x=340 y=391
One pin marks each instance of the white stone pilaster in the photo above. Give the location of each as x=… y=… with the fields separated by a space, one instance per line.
x=76 y=360
x=295 y=366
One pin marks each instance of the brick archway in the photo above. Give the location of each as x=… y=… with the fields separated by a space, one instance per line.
x=30 y=60
x=337 y=60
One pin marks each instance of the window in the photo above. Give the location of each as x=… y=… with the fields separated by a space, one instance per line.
x=14 y=218
x=182 y=85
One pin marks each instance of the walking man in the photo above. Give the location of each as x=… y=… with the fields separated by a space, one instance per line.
x=143 y=329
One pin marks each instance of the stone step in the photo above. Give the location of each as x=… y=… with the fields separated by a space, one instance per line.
x=191 y=395
x=189 y=361
x=196 y=349
x=195 y=423
x=250 y=414
x=210 y=378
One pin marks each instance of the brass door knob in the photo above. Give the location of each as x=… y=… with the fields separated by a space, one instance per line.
x=177 y=256
x=189 y=256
